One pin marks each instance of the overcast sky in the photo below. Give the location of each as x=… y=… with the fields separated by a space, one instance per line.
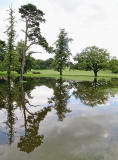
x=88 y=22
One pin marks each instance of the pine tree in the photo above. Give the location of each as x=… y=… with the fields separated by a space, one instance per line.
x=10 y=43
x=62 y=52
x=32 y=18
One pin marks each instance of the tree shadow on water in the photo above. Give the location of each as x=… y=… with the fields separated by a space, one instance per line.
x=92 y=93
x=31 y=139
x=60 y=98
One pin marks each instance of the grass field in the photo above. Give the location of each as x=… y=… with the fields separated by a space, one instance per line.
x=73 y=74
x=70 y=75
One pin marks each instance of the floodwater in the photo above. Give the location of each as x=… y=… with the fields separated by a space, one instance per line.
x=54 y=119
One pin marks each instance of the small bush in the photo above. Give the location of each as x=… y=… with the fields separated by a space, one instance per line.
x=36 y=72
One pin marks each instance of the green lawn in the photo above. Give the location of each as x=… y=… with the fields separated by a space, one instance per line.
x=71 y=75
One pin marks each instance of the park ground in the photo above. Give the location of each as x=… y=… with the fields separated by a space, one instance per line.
x=67 y=74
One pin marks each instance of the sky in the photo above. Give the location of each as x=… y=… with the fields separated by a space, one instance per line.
x=87 y=22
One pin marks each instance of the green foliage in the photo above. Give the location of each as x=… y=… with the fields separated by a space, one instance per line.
x=113 y=65
x=10 y=44
x=43 y=64
x=2 y=50
x=31 y=11
x=2 y=54
x=92 y=93
x=19 y=53
x=15 y=66
x=92 y=58
x=14 y=59
x=32 y=139
x=72 y=66
x=33 y=17
x=19 y=49
x=62 y=51
x=30 y=62
x=60 y=99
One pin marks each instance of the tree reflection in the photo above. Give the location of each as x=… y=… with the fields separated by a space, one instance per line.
x=31 y=138
x=60 y=98
x=92 y=93
x=15 y=95
x=10 y=112
x=7 y=103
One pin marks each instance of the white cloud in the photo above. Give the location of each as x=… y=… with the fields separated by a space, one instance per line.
x=42 y=96
x=88 y=22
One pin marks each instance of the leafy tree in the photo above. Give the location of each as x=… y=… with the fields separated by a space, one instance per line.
x=92 y=58
x=15 y=62
x=2 y=49
x=72 y=66
x=2 y=53
x=62 y=51
x=30 y=62
x=48 y=63
x=41 y=64
x=19 y=52
x=113 y=65
x=32 y=18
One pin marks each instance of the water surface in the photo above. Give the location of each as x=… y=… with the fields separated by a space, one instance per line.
x=54 y=119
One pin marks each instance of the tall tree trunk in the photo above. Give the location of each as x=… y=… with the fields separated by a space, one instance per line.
x=9 y=73
x=23 y=105
x=24 y=52
x=60 y=72
x=22 y=66
x=95 y=73
x=95 y=82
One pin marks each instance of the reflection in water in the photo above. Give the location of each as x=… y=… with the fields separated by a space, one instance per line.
x=31 y=139
x=10 y=112
x=6 y=102
x=92 y=93
x=15 y=96
x=60 y=98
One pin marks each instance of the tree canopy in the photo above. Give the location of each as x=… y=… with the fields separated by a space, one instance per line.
x=18 y=57
x=10 y=43
x=92 y=58
x=32 y=17
x=62 y=51
x=2 y=53
x=113 y=65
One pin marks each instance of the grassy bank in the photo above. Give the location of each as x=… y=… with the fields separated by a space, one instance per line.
x=70 y=75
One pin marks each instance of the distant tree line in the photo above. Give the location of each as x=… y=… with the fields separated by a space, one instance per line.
x=19 y=57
